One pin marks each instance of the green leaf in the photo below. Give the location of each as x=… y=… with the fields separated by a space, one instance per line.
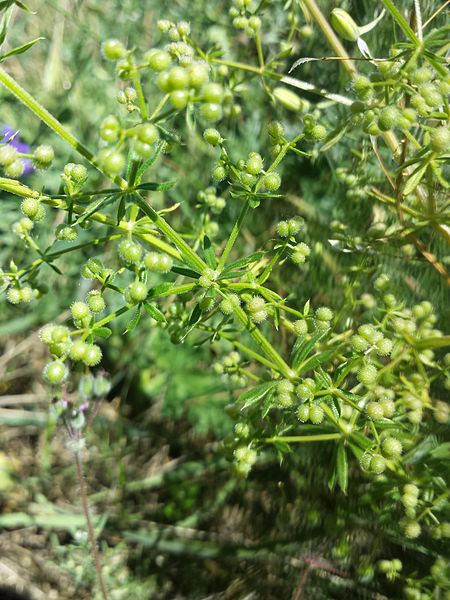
x=195 y=315
x=91 y=209
x=333 y=138
x=208 y=253
x=322 y=378
x=4 y=25
x=160 y=290
x=441 y=452
x=433 y=342
x=148 y=163
x=20 y=49
x=414 y=179
x=360 y=440
x=186 y=272
x=255 y=394
x=157 y=187
x=121 y=208
x=24 y=7
x=313 y=361
x=154 y=312
x=243 y=262
x=134 y=321
x=303 y=347
x=306 y=308
x=342 y=467
x=103 y=332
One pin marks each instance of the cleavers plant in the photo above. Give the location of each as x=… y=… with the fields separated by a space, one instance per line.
x=368 y=377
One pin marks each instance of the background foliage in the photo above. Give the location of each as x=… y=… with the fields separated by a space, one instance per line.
x=172 y=518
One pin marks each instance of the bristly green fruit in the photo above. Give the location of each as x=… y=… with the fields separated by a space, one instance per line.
x=113 y=49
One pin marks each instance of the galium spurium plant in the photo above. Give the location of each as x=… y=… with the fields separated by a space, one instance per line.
x=369 y=377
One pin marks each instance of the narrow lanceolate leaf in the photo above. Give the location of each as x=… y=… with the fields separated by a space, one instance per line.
x=103 y=332
x=154 y=312
x=255 y=394
x=4 y=24
x=134 y=321
x=208 y=253
x=148 y=163
x=186 y=272
x=342 y=467
x=91 y=209
x=243 y=262
x=322 y=378
x=313 y=361
x=414 y=179
x=303 y=347
x=20 y=49
x=195 y=315
x=157 y=187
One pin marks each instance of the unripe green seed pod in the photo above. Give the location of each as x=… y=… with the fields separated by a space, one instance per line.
x=43 y=156
x=212 y=136
x=316 y=133
x=212 y=92
x=130 y=252
x=276 y=131
x=300 y=327
x=302 y=413
x=344 y=25
x=259 y=316
x=367 y=374
x=198 y=75
x=179 y=99
x=324 y=314
x=388 y=118
x=288 y=99
x=375 y=410
x=392 y=447
x=136 y=292
x=359 y=344
x=254 y=164
x=8 y=154
x=30 y=207
x=158 y=60
x=377 y=464
x=15 y=169
x=409 y=501
x=78 y=350
x=365 y=461
x=80 y=310
x=316 y=415
x=147 y=133
x=411 y=528
x=211 y=111
x=230 y=304
x=272 y=181
x=55 y=372
x=92 y=355
x=388 y=407
x=13 y=295
x=440 y=139
x=178 y=78
x=219 y=173
x=96 y=302
x=159 y=263
x=113 y=49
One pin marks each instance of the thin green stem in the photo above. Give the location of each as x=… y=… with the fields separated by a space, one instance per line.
x=278 y=363
x=259 y=51
x=140 y=94
x=296 y=439
x=186 y=251
x=331 y=37
x=90 y=527
x=233 y=235
x=42 y=113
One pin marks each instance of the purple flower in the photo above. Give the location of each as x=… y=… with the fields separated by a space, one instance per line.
x=10 y=136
